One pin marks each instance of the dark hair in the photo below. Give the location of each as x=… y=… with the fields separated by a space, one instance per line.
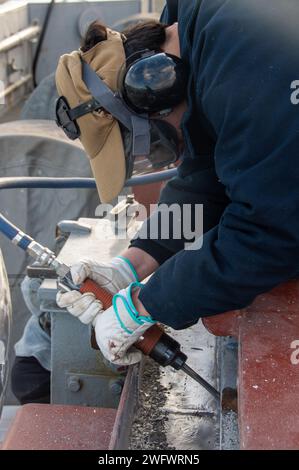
x=95 y=33
x=146 y=35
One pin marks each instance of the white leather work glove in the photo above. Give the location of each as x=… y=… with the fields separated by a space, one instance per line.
x=112 y=276
x=119 y=327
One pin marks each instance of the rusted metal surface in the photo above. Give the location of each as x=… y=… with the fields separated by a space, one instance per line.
x=229 y=399
x=148 y=195
x=268 y=380
x=56 y=427
x=268 y=371
x=227 y=355
x=226 y=324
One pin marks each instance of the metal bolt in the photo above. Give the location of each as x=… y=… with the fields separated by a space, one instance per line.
x=74 y=384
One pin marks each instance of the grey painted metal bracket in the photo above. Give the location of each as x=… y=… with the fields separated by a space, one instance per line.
x=80 y=376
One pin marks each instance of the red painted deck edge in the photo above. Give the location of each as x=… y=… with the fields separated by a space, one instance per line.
x=268 y=381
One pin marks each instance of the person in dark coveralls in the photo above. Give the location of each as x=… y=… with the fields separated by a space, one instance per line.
x=240 y=129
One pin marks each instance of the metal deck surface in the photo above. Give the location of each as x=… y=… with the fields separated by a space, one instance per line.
x=193 y=414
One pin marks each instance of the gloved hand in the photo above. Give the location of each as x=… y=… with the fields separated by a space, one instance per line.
x=119 y=327
x=113 y=276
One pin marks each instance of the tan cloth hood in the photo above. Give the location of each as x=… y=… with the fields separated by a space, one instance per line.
x=100 y=132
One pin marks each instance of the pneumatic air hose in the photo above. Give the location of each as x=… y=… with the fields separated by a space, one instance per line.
x=154 y=342
x=12 y=232
x=21 y=182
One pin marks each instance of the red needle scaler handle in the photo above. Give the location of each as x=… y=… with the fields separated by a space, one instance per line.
x=150 y=337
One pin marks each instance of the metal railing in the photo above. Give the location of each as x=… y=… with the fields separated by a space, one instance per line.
x=19 y=38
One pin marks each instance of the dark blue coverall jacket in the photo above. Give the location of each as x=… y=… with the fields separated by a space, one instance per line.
x=241 y=160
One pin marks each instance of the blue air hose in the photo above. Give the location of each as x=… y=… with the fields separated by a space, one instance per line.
x=8 y=229
x=21 y=182
x=23 y=240
x=14 y=234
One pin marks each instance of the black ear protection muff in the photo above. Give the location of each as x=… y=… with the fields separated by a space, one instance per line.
x=143 y=136
x=153 y=82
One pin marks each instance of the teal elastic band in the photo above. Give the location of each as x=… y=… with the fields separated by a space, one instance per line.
x=117 y=296
x=130 y=307
x=131 y=266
